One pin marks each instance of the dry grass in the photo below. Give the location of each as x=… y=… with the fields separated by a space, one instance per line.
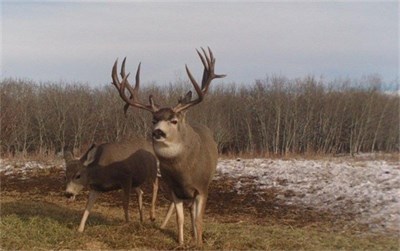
x=38 y=218
x=27 y=224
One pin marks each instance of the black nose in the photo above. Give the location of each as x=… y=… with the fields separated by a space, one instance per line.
x=68 y=195
x=157 y=134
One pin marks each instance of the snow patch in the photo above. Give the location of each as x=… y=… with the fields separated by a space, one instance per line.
x=368 y=189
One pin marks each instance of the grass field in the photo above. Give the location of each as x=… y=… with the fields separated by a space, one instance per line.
x=35 y=216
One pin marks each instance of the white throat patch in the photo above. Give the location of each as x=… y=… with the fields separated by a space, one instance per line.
x=167 y=149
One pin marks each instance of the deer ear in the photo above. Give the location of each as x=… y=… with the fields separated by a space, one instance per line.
x=89 y=156
x=186 y=99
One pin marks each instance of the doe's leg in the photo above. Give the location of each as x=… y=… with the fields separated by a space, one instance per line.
x=126 y=191
x=93 y=195
x=153 y=200
x=139 y=193
x=168 y=216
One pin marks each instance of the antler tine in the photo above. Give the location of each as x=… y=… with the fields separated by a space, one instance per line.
x=124 y=84
x=205 y=63
x=208 y=62
x=133 y=91
x=194 y=82
x=137 y=78
x=122 y=73
x=210 y=52
x=114 y=75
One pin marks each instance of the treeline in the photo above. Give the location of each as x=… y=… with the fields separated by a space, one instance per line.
x=275 y=115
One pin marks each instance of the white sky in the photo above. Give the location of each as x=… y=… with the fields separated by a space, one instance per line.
x=80 y=40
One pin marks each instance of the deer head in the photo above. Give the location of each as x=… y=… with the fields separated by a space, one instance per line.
x=76 y=171
x=169 y=130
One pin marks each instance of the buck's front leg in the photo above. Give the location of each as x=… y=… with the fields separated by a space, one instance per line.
x=179 y=217
x=93 y=195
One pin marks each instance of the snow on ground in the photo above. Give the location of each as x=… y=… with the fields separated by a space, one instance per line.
x=25 y=169
x=368 y=189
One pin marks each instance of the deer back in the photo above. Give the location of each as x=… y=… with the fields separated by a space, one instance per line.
x=109 y=153
x=114 y=163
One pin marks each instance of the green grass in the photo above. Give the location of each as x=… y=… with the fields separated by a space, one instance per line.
x=40 y=225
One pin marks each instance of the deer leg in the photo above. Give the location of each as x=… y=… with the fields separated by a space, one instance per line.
x=153 y=200
x=200 y=204
x=92 y=198
x=169 y=213
x=139 y=193
x=193 y=214
x=179 y=217
x=125 y=200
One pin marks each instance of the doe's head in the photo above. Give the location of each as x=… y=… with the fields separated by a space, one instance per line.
x=76 y=173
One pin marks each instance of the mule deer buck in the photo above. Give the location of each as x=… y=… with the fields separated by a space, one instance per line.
x=187 y=152
x=109 y=167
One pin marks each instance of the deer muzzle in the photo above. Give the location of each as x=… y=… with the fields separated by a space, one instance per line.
x=158 y=134
x=70 y=196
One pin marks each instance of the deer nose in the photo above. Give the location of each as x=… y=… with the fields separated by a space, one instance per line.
x=68 y=194
x=157 y=134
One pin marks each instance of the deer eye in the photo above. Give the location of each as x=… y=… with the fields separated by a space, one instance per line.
x=174 y=121
x=154 y=121
x=78 y=176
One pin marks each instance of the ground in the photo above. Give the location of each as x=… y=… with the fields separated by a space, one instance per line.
x=288 y=204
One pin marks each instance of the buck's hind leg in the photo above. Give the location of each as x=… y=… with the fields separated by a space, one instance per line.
x=179 y=217
x=199 y=206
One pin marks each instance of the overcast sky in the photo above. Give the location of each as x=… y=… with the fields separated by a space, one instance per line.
x=80 y=40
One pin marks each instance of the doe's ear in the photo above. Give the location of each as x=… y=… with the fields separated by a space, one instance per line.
x=89 y=156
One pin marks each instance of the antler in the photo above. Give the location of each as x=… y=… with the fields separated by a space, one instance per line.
x=208 y=75
x=124 y=84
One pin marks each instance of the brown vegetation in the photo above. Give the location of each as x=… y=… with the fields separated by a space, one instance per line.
x=274 y=116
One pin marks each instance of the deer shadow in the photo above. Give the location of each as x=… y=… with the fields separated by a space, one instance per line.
x=26 y=210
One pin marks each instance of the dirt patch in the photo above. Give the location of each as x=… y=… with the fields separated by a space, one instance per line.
x=224 y=204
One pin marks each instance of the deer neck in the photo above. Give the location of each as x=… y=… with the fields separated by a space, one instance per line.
x=179 y=148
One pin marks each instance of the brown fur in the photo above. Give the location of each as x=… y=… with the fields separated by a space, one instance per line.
x=187 y=154
x=113 y=166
